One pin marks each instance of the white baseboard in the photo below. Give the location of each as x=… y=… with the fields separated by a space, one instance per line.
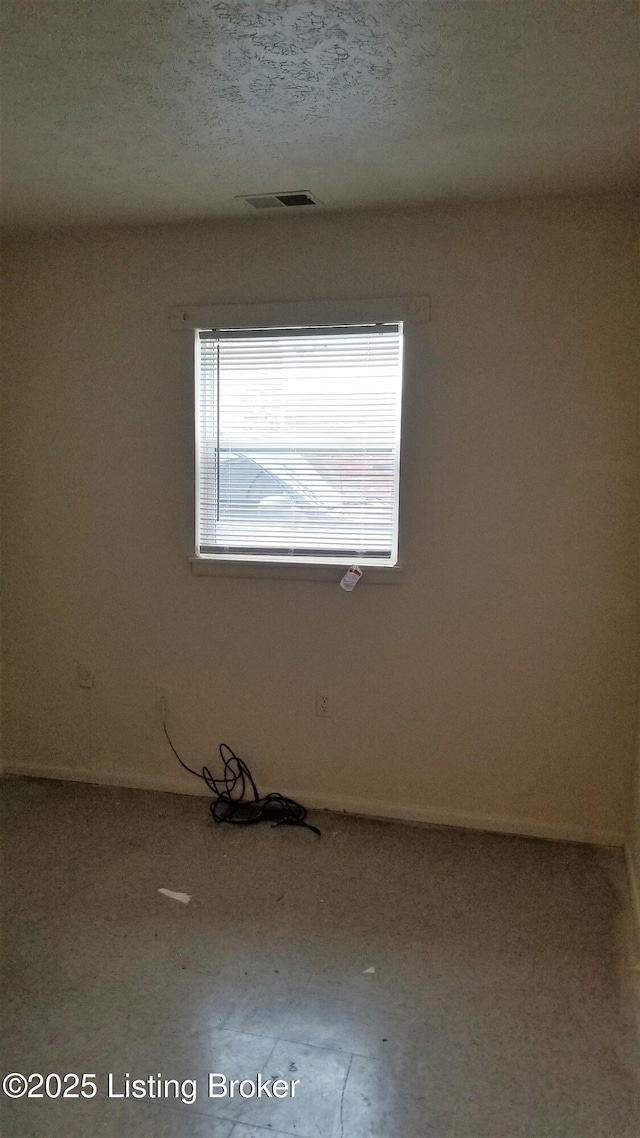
x=177 y=784
x=634 y=886
x=438 y=816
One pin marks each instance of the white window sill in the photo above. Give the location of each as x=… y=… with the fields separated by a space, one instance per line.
x=283 y=571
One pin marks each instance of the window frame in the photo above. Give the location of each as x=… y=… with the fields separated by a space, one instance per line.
x=410 y=311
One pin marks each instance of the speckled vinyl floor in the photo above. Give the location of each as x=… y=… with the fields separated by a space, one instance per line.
x=500 y=1004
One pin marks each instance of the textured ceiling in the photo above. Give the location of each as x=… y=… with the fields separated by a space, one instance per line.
x=141 y=110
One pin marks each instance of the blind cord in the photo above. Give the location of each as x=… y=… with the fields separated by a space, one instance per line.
x=236 y=797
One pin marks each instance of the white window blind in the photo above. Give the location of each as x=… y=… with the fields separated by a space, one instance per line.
x=298 y=443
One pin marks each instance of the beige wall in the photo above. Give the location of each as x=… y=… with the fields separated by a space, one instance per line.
x=498 y=680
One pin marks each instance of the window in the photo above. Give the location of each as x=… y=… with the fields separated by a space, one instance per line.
x=298 y=443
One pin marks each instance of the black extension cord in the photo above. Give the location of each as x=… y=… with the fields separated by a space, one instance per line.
x=232 y=802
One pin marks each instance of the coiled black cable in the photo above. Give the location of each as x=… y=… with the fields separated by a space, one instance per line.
x=230 y=803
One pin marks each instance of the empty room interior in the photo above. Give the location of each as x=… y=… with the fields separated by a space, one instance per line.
x=319 y=551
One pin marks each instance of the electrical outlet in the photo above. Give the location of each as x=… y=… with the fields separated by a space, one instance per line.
x=323 y=705
x=85 y=675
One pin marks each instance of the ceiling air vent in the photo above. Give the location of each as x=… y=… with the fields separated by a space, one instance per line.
x=289 y=198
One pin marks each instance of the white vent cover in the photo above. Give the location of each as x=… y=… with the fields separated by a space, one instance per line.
x=291 y=199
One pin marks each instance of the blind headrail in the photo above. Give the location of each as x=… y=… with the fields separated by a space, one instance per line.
x=297 y=330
